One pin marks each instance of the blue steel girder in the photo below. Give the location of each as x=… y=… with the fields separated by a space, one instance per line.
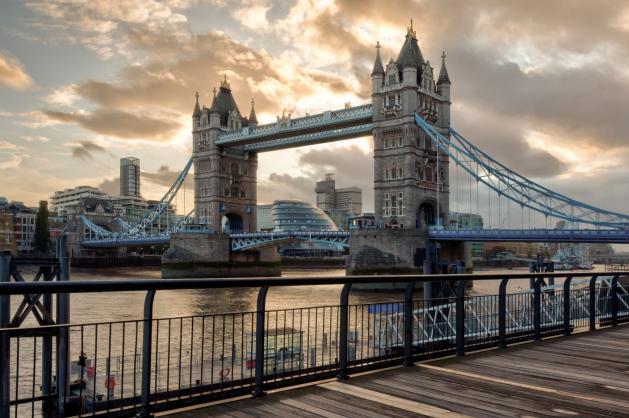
x=610 y=236
x=342 y=118
x=247 y=241
x=150 y=216
x=97 y=230
x=313 y=138
x=518 y=188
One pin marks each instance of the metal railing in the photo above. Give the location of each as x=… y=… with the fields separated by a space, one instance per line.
x=152 y=364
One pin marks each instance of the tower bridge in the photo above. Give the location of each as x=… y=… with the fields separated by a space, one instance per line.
x=414 y=145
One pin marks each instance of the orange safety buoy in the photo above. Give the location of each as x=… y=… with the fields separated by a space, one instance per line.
x=110 y=382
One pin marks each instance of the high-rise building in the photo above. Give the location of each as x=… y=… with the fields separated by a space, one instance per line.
x=129 y=176
x=340 y=204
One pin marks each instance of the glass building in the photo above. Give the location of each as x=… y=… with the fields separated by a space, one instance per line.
x=293 y=215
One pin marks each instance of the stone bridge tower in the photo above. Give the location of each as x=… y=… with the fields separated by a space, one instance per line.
x=224 y=178
x=410 y=177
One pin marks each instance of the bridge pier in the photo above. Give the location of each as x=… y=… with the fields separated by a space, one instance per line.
x=204 y=254
x=404 y=251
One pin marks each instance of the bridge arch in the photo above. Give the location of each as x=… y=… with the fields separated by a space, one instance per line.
x=232 y=223
x=427 y=213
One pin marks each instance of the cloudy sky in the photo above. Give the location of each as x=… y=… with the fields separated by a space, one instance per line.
x=543 y=86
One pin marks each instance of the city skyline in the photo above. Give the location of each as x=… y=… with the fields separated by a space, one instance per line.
x=84 y=84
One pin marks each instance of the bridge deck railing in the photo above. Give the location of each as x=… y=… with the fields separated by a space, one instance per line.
x=151 y=364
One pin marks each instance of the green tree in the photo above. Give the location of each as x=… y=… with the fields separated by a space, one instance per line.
x=42 y=233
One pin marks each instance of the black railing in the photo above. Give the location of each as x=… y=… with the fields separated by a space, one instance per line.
x=134 y=367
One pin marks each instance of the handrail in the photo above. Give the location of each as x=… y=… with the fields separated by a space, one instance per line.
x=179 y=284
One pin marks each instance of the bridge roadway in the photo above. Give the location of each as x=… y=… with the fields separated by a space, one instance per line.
x=244 y=241
x=586 y=374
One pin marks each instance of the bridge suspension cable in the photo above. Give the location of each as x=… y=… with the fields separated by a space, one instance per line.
x=518 y=188
x=149 y=216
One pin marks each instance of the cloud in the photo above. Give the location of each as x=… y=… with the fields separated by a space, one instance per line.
x=38 y=138
x=9 y=146
x=85 y=150
x=13 y=161
x=111 y=187
x=166 y=177
x=12 y=73
x=351 y=165
x=63 y=96
x=120 y=124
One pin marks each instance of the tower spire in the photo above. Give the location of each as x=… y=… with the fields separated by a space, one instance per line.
x=252 y=114
x=410 y=31
x=443 y=73
x=197 y=108
x=378 y=68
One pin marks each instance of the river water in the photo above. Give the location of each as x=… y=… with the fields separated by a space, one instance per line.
x=129 y=305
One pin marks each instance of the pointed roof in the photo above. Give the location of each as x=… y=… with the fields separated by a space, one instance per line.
x=224 y=102
x=214 y=107
x=410 y=54
x=378 y=68
x=197 y=108
x=252 y=115
x=443 y=73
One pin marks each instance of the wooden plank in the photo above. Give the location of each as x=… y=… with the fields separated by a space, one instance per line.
x=358 y=406
x=393 y=401
x=345 y=409
x=310 y=408
x=537 y=388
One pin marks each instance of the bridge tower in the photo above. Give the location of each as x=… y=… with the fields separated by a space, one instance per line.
x=224 y=178
x=410 y=175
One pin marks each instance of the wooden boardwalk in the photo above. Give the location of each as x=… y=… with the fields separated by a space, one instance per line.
x=584 y=375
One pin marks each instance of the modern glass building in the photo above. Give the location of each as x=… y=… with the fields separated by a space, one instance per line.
x=293 y=215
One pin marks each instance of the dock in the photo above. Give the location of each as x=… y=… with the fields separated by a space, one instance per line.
x=585 y=375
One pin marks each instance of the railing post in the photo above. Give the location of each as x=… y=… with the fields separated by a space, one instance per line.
x=258 y=389
x=502 y=313
x=567 y=309
x=63 y=335
x=147 y=340
x=460 y=318
x=5 y=349
x=46 y=387
x=408 y=323
x=592 y=303
x=343 y=331
x=614 y=301
x=537 y=309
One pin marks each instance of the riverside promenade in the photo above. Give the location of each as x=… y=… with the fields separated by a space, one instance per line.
x=585 y=375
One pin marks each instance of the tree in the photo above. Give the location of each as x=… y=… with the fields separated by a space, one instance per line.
x=42 y=233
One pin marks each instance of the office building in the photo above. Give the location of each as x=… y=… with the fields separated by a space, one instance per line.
x=129 y=176
x=340 y=204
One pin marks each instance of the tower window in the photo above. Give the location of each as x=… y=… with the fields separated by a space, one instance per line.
x=391 y=79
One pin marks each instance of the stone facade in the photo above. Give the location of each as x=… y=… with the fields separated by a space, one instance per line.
x=203 y=254
x=225 y=193
x=410 y=176
x=387 y=251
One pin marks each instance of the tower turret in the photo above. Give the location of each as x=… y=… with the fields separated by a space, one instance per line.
x=215 y=115
x=443 y=89
x=377 y=74
x=196 y=114
x=253 y=119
